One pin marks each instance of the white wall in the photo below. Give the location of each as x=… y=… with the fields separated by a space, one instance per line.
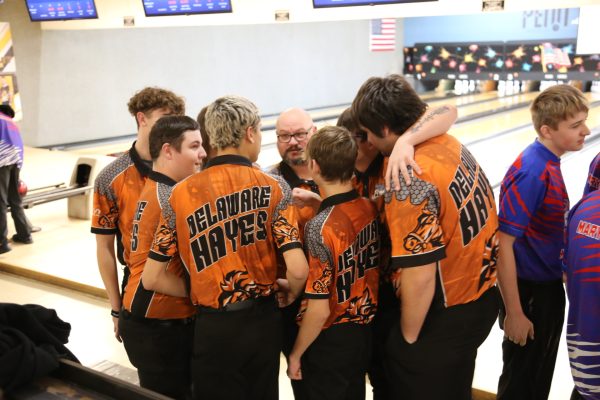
x=88 y=76
x=80 y=80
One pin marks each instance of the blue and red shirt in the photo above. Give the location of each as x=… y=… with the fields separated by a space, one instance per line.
x=533 y=206
x=11 y=144
x=593 y=179
x=582 y=265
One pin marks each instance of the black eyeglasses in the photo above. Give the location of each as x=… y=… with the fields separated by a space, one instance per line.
x=360 y=136
x=299 y=136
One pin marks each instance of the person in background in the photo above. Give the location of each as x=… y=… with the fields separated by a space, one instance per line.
x=294 y=127
x=11 y=161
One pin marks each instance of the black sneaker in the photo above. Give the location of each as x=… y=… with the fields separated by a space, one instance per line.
x=18 y=239
x=4 y=249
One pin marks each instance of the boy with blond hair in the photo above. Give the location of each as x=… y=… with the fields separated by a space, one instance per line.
x=228 y=222
x=533 y=205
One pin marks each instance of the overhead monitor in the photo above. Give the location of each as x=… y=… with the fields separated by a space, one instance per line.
x=61 y=10
x=157 y=8
x=345 y=3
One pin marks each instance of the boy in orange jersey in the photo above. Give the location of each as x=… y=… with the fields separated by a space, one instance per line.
x=368 y=173
x=332 y=350
x=117 y=189
x=228 y=222
x=443 y=230
x=157 y=329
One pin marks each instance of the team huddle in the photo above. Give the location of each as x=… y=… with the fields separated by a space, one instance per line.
x=323 y=259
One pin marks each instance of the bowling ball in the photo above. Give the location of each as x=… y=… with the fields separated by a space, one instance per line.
x=22 y=188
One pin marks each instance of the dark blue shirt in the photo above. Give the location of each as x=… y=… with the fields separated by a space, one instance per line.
x=593 y=179
x=582 y=265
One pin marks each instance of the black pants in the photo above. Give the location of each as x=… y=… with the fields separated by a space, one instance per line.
x=388 y=312
x=290 y=332
x=527 y=371
x=335 y=364
x=161 y=352
x=236 y=354
x=440 y=364
x=575 y=395
x=9 y=196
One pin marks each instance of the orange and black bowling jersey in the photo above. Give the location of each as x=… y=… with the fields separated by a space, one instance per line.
x=116 y=192
x=343 y=242
x=446 y=216
x=228 y=222
x=284 y=171
x=137 y=300
x=289 y=175
x=365 y=182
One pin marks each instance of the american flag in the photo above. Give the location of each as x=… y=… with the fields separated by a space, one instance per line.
x=554 y=55
x=383 y=35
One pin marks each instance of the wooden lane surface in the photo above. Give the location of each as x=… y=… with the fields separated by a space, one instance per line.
x=269 y=138
x=496 y=103
x=486 y=127
x=464 y=99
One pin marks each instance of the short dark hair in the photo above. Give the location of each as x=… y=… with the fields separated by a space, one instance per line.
x=7 y=110
x=170 y=129
x=346 y=119
x=387 y=102
x=334 y=149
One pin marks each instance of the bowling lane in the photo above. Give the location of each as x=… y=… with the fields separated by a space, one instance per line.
x=523 y=99
x=497 y=154
x=476 y=130
x=486 y=127
x=463 y=99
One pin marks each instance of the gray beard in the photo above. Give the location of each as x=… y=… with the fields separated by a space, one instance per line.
x=296 y=162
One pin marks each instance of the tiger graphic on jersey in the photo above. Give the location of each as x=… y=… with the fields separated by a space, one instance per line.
x=236 y=286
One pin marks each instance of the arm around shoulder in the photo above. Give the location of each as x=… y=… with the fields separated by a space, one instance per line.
x=432 y=123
